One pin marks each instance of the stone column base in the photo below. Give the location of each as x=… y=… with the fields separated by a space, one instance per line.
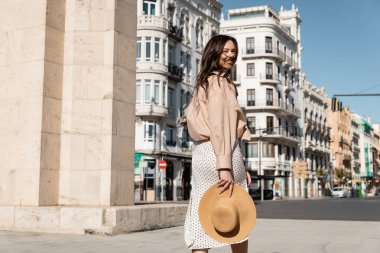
x=91 y=220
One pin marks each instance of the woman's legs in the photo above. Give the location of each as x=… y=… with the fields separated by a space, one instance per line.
x=199 y=251
x=240 y=247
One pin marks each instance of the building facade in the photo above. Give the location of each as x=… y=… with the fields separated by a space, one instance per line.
x=339 y=119
x=267 y=76
x=356 y=152
x=315 y=146
x=170 y=39
x=368 y=144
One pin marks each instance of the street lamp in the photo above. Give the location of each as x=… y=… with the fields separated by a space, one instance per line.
x=260 y=170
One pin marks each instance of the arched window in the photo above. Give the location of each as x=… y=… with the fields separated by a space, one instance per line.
x=199 y=34
x=184 y=25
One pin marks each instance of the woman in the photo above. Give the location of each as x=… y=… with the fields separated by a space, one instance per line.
x=215 y=122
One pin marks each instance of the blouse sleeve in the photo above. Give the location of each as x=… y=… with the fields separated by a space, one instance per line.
x=220 y=134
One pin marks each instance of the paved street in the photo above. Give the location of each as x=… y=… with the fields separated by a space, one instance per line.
x=283 y=227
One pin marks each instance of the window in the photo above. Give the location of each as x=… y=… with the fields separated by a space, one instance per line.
x=269 y=96
x=164 y=53
x=268 y=150
x=150 y=131
x=279 y=149
x=268 y=45
x=156 y=49
x=149 y=7
x=251 y=124
x=171 y=55
x=294 y=154
x=269 y=70
x=278 y=48
x=291 y=58
x=287 y=153
x=147 y=48
x=171 y=97
x=156 y=92
x=138 y=91
x=183 y=62
x=185 y=138
x=233 y=75
x=250 y=69
x=251 y=150
x=170 y=136
x=147 y=91
x=251 y=97
x=196 y=66
x=188 y=64
x=199 y=35
x=286 y=78
x=138 y=49
x=278 y=72
x=250 y=45
x=164 y=94
x=269 y=124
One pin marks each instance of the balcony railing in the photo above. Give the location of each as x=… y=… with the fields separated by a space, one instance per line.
x=151 y=110
x=273 y=105
x=175 y=72
x=176 y=33
x=289 y=133
x=171 y=143
x=152 y=21
x=272 y=52
x=269 y=78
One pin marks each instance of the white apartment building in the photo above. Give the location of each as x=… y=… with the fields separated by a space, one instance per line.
x=267 y=75
x=315 y=146
x=170 y=38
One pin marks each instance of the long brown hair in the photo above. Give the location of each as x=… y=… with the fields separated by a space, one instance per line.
x=210 y=62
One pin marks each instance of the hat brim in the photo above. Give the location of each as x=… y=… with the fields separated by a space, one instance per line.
x=246 y=213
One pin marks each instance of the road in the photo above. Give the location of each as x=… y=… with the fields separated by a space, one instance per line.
x=298 y=226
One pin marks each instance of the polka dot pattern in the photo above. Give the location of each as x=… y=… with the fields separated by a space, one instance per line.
x=204 y=175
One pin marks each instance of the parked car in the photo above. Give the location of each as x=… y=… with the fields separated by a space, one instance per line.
x=339 y=192
x=377 y=193
x=256 y=194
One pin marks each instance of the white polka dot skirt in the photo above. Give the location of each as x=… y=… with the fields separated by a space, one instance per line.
x=204 y=175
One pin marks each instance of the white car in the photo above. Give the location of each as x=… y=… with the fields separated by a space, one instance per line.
x=339 y=192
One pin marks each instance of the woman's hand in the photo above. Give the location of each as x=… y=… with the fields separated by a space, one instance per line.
x=249 y=180
x=226 y=181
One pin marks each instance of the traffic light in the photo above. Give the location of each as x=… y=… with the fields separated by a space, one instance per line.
x=333 y=104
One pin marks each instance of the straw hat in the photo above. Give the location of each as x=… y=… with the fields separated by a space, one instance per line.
x=227 y=220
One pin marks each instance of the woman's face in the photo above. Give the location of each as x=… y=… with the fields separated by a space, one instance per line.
x=228 y=57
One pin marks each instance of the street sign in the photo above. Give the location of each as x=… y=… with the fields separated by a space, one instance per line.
x=162 y=164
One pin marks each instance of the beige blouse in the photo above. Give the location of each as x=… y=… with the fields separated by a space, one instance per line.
x=217 y=118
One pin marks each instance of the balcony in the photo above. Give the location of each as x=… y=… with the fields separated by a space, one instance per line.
x=175 y=73
x=260 y=52
x=282 y=108
x=279 y=132
x=152 y=22
x=151 y=110
x=175 y=33
x=151 y=67
x=269 y=79
x=171 y=143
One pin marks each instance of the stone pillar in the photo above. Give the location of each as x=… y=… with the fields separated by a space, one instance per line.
x=31 y=58
x=67 y=113
x=98 y=104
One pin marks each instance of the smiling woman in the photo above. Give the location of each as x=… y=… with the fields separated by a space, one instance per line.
x=216 y=123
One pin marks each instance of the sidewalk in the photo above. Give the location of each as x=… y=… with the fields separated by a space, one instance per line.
x=269 y=236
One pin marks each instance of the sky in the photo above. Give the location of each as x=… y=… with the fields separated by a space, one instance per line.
x=341 y=47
